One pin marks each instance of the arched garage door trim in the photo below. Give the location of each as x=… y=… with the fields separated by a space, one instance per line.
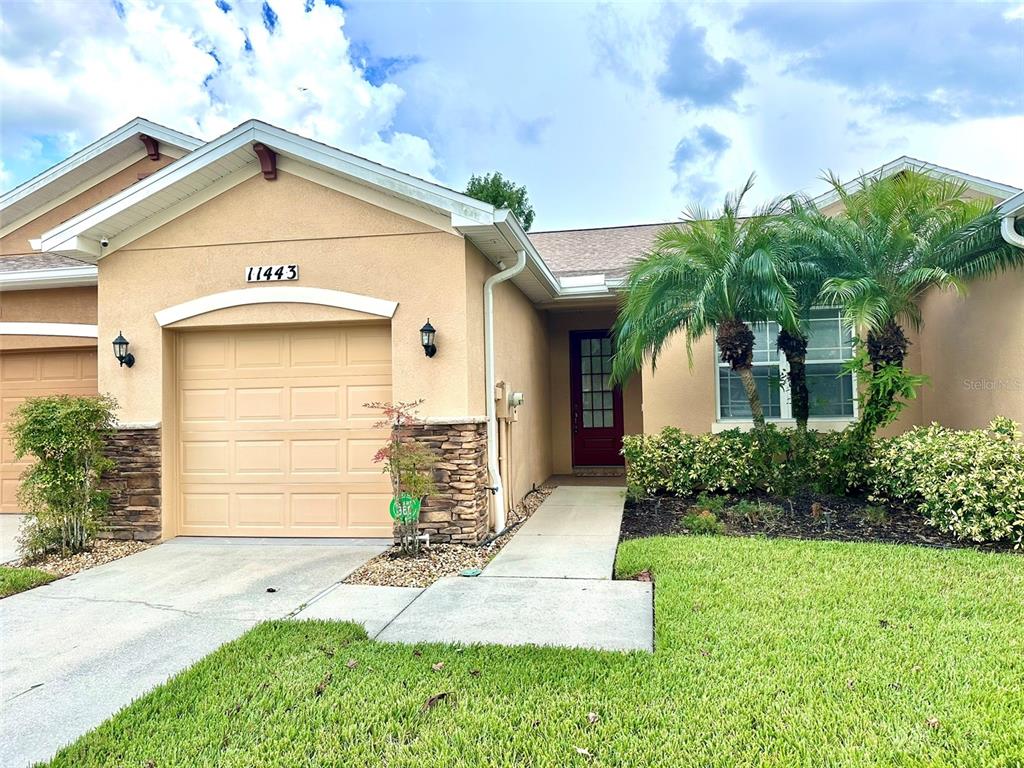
x=276 y=295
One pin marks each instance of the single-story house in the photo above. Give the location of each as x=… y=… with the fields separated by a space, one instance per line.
x=269 y=286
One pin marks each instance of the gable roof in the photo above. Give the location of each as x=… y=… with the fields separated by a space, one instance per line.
x=906 y=163
x=102 y=158
x=230 y=159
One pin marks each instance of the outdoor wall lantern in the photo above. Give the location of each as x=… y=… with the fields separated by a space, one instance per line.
x=124 y=357
x=427 y=339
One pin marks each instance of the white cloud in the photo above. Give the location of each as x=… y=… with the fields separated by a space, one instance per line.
x=193 y=67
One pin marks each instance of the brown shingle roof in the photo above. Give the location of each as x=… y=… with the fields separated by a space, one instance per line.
x=35 y=261
x=608 y=250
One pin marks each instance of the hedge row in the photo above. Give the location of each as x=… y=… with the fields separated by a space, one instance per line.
x=970 y=483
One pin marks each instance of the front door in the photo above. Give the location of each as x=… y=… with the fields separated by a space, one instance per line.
x=596 y=404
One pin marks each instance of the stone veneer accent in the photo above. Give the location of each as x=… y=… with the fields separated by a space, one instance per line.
x=458 y=511
x=134 y=484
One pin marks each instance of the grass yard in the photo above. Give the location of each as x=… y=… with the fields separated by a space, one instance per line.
x=15 y=580
x=769 y=652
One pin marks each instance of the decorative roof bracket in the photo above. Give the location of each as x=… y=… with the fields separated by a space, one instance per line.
x=268 y=160
x=152 y=146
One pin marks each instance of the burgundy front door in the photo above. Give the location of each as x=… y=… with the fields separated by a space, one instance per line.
x=596 y=405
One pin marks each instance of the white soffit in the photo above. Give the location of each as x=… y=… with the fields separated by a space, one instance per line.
x=276 y=295
x=87 y=167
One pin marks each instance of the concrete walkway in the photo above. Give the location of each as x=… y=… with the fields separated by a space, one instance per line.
x=573 y=535
x=550 y=585
x=74 y=652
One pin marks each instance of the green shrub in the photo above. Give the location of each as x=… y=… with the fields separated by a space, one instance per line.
x=710 y=502
x=60 y=490
x=756 y=512
x=703 y=523
x=970 y=483
x=774 y=461
x=875 y=514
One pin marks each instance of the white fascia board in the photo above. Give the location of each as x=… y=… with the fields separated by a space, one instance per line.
x=906 y=163
x=72 y=193
x=1013 y=205
x=361 y=169
x=61 y=277
x=582 y=281
x=162 y=179
x=276 y=295
x=77 y=247
x=147 y=225
x=77 y=330
x=284 y=143
x=513 y=231
x=127 y=131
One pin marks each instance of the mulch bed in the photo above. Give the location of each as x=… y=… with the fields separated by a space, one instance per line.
x=394 y=569
x=102 y=551
x=805 y=515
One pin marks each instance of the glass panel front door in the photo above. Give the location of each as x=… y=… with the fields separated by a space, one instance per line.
x=596 y=404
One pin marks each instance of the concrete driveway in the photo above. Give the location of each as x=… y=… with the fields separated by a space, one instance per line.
x=10 y=527
x=74 y=652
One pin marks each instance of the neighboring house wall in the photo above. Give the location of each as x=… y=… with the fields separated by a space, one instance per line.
x=973 y=350
x=53 y=305
x=16 y=242
x=560 y=324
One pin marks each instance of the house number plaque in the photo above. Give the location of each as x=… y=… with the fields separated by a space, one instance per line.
x=271 y=273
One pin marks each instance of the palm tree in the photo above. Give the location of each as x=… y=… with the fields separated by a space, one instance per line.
x=717 y=272
x=896 y=238
x=805 y=269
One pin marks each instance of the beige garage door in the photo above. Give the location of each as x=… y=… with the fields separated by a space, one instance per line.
x=32 y=374
x=274 y=439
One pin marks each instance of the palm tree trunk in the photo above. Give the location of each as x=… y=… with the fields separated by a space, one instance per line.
x=886 y=346
x=794 y=347
x=746 y=375
x=736 y=345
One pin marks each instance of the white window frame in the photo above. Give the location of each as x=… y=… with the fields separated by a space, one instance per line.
x=785 y=417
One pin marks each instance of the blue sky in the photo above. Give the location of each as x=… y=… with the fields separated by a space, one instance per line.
x=610 y=114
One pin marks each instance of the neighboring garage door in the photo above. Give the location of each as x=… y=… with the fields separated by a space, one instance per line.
x=32 y=374
x=274 y=439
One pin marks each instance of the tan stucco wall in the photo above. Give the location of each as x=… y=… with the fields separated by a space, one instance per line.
x=973 y=350
x=560 y=324
x=50 y=305
x=520 y=359
x=338 y=242
x=678 y=394
x=16 y=242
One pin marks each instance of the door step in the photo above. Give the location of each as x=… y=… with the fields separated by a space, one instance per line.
x=599 y=471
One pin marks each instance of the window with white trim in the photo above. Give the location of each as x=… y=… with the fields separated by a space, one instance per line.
x=829 y=345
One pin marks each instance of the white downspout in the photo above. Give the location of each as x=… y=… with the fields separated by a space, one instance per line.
x=1010 y=233
x=489 y=383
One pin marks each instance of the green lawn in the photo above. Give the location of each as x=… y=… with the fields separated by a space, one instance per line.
x=15 y=580
x=769 y=652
